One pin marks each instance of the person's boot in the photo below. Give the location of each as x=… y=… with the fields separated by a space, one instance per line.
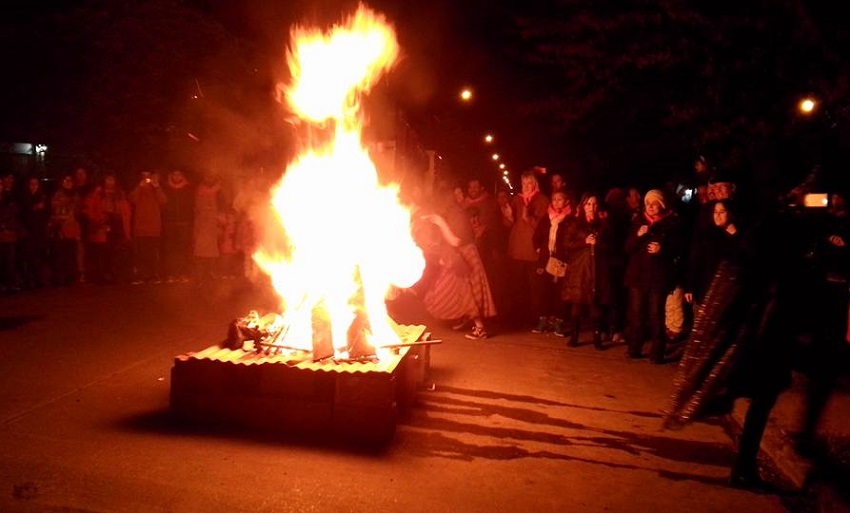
x=573 y=342
x=542 y=324
x=558 y=328
x=597 y=340
x=656 y=352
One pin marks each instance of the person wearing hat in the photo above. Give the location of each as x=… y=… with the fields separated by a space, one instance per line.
x=653 y=247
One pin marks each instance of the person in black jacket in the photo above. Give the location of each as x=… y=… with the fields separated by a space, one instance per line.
x=653 y=247
x=710 y=246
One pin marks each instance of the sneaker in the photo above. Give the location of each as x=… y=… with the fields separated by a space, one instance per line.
x=461 y=324
x=559 y=328
x=477 y=334
x=542 y=324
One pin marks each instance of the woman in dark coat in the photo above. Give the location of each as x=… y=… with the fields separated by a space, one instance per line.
x=720 y=241
x=587 y=285
x=653 y=247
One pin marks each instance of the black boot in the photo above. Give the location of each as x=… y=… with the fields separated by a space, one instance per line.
x=597 y=340
x=575 y=332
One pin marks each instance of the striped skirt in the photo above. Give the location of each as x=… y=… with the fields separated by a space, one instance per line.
x=454 y=296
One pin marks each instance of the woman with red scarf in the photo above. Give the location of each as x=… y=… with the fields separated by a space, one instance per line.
x=653 y=247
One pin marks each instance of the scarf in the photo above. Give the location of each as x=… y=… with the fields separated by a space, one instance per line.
x=660 y=217
x=555 y=219
x=526 y=198
x=174 y=184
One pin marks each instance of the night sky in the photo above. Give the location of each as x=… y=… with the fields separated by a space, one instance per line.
x=609 y=92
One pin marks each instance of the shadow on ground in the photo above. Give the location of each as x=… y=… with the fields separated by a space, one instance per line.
x=8 y=323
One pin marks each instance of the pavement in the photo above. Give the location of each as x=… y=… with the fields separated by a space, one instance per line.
x=519 y=422
x=824 y=475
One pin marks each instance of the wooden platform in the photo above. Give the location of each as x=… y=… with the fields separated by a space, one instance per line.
x=292 y=395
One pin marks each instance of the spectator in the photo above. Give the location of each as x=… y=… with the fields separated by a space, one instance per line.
x=9 y=211
x=549 y=242
x=34 y=243
x=633 y=202
x=527 y=208
x=82 y=188
x=108 y=241
x=720 y=242
x=147 y=199
x=208 y=219
x=177 y=226
x=653 y=247
x=64 y=229
x=587 y=285
x=619 y=220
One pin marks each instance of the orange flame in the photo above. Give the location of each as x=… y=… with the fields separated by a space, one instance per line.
x=347 y=239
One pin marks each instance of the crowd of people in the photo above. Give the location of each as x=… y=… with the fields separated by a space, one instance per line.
x=628 y=267
x=80 y=230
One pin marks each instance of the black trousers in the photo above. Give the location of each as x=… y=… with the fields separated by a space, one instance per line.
x=752 y=432
x=147 y=258
x=646 y=314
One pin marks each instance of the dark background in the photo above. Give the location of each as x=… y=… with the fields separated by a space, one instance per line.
x=608 y=92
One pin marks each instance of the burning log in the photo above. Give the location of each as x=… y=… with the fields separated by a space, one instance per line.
x=252 y=328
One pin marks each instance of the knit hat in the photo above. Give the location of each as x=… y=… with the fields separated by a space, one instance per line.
x=655 y=195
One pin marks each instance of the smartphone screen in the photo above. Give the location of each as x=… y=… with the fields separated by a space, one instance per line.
x=819 y=200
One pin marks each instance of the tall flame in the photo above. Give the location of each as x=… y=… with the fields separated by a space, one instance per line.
x=346 y=238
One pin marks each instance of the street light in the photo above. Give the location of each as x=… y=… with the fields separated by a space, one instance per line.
x=495 y=156
x=466 y=95
x=488 y=138
x=807 y=105
x=501 y=166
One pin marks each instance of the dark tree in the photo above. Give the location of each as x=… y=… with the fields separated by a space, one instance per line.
x=135 y=84
x=641 y=86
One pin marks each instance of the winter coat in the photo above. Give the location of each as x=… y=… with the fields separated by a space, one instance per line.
x=540 y=239
x=179 y=205
x=8 y=217
x=520 y=239
x=647 y=271
x=208 y=220
x=709 y=248
x=588 y=280
x=147 y=212
x=35 y=214
x=108 y=214
x=63 y=221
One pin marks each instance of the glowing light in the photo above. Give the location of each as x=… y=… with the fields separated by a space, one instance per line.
x=501 y=166
x=466 y=95
x=807 y=105
x=495 y=156
x=488 y=138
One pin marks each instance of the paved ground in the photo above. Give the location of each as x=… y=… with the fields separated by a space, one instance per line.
x=516 y=423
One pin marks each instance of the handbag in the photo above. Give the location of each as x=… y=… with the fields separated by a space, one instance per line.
x=556 y=267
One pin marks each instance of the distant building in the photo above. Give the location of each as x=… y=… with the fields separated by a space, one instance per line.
x=23 y=158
